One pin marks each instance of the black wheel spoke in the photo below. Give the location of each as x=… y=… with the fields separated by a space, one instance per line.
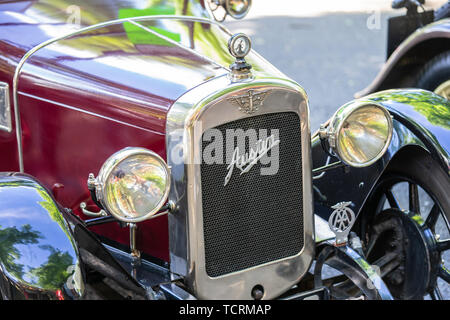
x=392 y=200
x=436 y=294
x=414 y=204
x=443 y=245
x=444 y=274
x=387 y=263
x=392 y=261
x=432 y=217
x=381 y=262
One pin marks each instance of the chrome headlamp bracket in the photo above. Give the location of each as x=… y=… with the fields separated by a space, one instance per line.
x=327 y=134
x=95 y=186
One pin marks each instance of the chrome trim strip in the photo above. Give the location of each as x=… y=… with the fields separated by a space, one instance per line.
x=147 y=273
x=33 y=50
x=117 y=252
x=174 y=292
x=5 y=108
x=87 y=112
x=207 y=104
x=347 y=261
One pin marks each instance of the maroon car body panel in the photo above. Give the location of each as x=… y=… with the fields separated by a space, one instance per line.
x=84 y=98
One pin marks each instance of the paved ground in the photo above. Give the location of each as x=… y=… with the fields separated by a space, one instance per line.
x=332 y=48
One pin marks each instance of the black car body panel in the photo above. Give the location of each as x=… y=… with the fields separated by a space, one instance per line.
x=39 y=257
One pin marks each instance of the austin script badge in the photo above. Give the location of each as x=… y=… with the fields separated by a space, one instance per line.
x=249 y=102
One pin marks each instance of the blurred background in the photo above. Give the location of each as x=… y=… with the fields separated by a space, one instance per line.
x=332 y=48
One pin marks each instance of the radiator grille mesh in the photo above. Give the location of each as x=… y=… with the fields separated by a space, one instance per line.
x=255 y=218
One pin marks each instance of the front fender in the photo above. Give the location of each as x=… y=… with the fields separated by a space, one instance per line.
x=425 y=114
x=421 y=119
x=38 y=255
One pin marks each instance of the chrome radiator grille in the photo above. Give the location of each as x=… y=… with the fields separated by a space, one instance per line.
x=254 y=219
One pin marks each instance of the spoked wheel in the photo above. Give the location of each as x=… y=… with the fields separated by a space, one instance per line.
x=435 y=75
x=406 y=230
x=443 y=90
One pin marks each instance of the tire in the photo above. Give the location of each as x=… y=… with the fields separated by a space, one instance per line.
x=429 y=175
x=421 y=170
x=435 y=73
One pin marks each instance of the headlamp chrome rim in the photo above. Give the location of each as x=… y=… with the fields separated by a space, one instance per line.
x=338 y=120
x=237 y=15
x=111 y=163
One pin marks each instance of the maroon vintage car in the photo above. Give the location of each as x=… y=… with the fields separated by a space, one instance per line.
x=150 y=151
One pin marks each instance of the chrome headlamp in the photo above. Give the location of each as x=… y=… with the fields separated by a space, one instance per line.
x=359 y=133
x=238 y=9
x=133 y=184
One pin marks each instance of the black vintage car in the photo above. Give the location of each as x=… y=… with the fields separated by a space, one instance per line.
x=147 y=152
x=418 y=50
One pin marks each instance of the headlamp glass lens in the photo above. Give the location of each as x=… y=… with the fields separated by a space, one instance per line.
x=364 y=135
x=136 y=186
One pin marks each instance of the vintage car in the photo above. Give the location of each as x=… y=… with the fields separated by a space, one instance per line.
x=418 y=50
x=148 y=153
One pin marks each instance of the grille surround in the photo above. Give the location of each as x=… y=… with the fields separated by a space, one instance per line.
x=191 y=115
x=244 y=225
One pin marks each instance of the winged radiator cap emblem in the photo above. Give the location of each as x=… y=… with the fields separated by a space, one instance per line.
x=341 y=221
x=249 y=102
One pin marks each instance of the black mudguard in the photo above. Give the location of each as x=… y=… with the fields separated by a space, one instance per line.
x=421 y=120
x=45 y=251
x=38 y=255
